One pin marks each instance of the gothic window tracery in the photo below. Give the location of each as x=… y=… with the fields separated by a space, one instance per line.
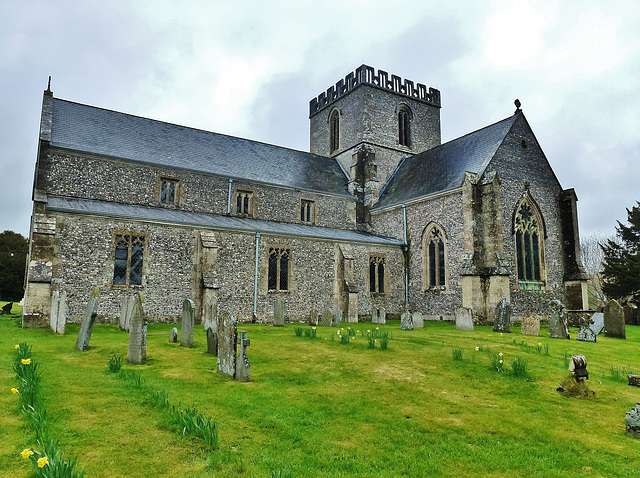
x=434 y=257
x=279 y=268
x=128 y=260
x=529 y=237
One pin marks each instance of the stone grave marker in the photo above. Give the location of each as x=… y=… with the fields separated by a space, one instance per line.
x=614 y=320
x=210 y=313
x=630 y=315
x=53 y=315
x=137 y=353
x=634 y=380
x=502 y=322
x=173 y=335
x=530 y=325
x=337 y=318
x=558 y=320
x=418 y=321
x=212 y=342
x=90 y=314
x=464 y=319
x=326 y=319
x=126 y=311
x=278 y=313
x=313 y=318
x=585 y=334
x=188 y=322
x=58 y=319
x=374 y=315
x=382 y=316
x=597 y=322
x=227 y=340
x=406 y=322
x=243 y=367
x=632 y=421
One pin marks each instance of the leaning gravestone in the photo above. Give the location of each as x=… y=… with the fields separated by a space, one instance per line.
x=418 y=321
x=90 y=314
x=58 y=318
x=597 y=323
x=558 y=320
x=614 y=320
x=585 y=334
x=243 y=367
x=210 y=313
x=126 y=311
x=188 y=323
x=227 y=340
x=326 y=319
x=137 y=353
x=464 y=320
x=278 y=313
x=633 y=421
x=337 y=318
x=502 y=322
x=530 y=325
x=173 y=336
x=313 y=318
x=212 y=342
x=406 y=322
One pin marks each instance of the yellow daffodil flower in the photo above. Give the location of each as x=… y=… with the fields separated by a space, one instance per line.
x=15 y=390
x=17 y=346
x=539 y=344
x=26 y=361
x=26 y=453
x=42 y=462
x=477 y=349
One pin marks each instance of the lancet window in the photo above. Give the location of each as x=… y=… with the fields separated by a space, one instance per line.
x=376 y=274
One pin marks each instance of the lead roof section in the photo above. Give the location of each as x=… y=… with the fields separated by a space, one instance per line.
x=442 y=168
x=104 y=132
x=210 y=221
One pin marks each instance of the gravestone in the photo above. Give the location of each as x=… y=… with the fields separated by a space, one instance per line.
x=53 y=316
x=90 y=314
x=630 y=315
x=632 y=421
x=278 y=313
x=406 y=322
x=502 y=322
x=137 y=353
x=374 y=315
x=210 y=313
x=614 y=320
x=558 y=321
x=382 y=316
x=173 y=336
x=58 y=319
x=634 y=380
x=126 y=311
x=418 y=321
x=597 y=323
x=188 y=322
x=243 y=367
x=337 y=318
x=578 y=367
x=313 y=318
x=464 y=319
x=585 y=334
x=212 y=342
x=530 y=325
x=227 y=340
x=326 y=319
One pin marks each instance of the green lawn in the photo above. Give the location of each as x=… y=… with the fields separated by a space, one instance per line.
x=320 y=408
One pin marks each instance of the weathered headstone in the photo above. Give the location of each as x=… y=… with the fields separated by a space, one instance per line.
x=418 y=321
x=634 y=380
x=227 y=340
x=137 y=353
x=90 y=313
x=630 y=315
x=406 y=322
x=313 y=318
x=597 y=322
x=59 y=312
x=278 y=313
x=502 y=322
x=243 y=367
x=464 y=319
x=614 y=320
x=530 y=325
x=585 y=334
x=173 y=335
x=558 y=320
x=126 y=311
x=374 y=315
x=337 y=318
x=210 y=313
x=212 y=342
x=578 y=367
x=53 y=316
x=382 y=316
x=326 y=319
x=188 y=321
x=632 y=421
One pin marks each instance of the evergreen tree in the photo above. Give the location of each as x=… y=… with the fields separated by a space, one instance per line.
x=13 y=256
x=621 y=272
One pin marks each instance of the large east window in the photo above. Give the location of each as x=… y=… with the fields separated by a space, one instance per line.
x=279 y=268
x=529 y=237
x=128 y=259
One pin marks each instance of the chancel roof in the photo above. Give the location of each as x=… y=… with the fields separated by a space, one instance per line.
x=104 y=132
x=442 y=168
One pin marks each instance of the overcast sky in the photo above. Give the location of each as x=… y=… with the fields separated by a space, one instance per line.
x=249 y=69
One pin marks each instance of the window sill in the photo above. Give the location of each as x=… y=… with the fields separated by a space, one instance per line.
x=534 y=286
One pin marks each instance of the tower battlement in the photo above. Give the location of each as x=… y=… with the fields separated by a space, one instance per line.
x=367 y=75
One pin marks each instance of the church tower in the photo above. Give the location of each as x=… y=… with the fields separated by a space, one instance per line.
x=368 y=121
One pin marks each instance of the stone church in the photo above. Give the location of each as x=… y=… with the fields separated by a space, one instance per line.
x=380 y=214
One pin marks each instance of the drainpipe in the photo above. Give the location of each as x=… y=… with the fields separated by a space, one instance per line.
x=406 y=260
x=255 y=280
x=229 y=197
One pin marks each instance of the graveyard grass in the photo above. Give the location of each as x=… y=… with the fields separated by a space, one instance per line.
x=316 y=407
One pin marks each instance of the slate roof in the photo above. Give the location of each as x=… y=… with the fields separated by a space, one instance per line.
x=442 y=168
x=99 y=131
x=210 y=221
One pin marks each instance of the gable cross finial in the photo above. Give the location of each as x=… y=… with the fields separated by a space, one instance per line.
x=518 y=104
x=49 y=85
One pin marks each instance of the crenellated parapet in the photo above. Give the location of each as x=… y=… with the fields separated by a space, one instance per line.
x=367 y=75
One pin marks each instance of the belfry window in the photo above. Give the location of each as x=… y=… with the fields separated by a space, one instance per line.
x=435 y=258
x=376 y=274
x=404 y=126
x=128 y=260
x=334 y=131
x=529 y=247
x=279 y=268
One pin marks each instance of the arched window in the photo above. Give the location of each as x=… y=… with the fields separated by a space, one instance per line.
x=404 y=126
x=529 y=236
x=435 y=270
x=334 y=130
